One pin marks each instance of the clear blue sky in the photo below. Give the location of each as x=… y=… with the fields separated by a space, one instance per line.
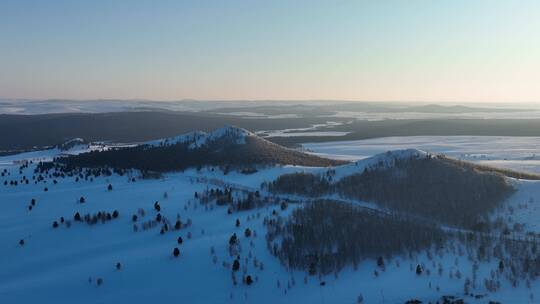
x=455 y=50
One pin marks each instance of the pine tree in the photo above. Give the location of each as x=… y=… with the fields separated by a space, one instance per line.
x=236 y=265
x=467 y=286
x=312 y=269
x=418 y=269
x=233 y=239
x=380 y=262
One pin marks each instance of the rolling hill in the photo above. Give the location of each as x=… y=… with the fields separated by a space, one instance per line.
x=228 y=147
x=410 y=182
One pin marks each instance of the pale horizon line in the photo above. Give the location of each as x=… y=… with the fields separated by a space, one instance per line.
x=284 y=100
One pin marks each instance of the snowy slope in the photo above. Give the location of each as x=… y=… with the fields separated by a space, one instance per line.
x=381 y=160
x=198 y=139
x=72 y=148
x=62 y=265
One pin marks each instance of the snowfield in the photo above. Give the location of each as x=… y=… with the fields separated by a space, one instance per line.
x=518 y=153
x=63 y=265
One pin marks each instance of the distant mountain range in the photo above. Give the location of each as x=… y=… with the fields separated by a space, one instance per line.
x=138 y=120
x=25 y=132
x=266 y=107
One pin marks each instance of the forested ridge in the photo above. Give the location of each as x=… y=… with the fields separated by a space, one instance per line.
x=224 y=152
x=449 y=191
x=327 y=235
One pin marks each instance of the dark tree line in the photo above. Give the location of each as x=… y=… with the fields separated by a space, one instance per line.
x=223 y=152
x=325 y=236
x=302 y=183
x=59 y=170
x=92 y=219
x=237 y=200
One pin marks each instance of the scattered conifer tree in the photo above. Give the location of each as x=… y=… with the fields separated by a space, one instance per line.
x=236 y=265
x=418 y=269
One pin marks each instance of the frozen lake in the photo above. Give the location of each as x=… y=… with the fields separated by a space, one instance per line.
x=518 y=153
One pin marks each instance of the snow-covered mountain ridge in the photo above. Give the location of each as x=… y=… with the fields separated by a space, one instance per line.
x=382 y=160
x=198 y=139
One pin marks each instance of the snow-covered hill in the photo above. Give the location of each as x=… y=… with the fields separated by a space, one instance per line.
x=231 y=147
x=198 y=139
x=111 y=261
x=73 y=143
x=381 y=160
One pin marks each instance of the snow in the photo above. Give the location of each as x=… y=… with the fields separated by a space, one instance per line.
x=378 y=116
x=198 y=139
x=518 y=153
x=381 y=160
x=254 y=115
x=239 y=134
x=55 y=264
x=73 y=141
x=313 y=130
x=524 y=206
x=298 y=134
x=194 y=138
x=50 y=154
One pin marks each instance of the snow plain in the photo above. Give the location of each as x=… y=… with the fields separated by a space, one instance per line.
x=519 y=153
